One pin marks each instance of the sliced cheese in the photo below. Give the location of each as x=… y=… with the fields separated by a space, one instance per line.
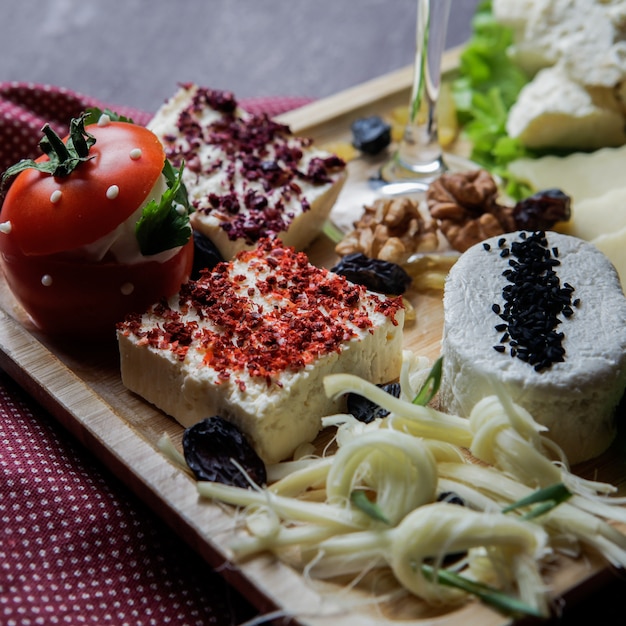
x=594 y=217
x=580 y=175
x=596 y=183
x=613 y=244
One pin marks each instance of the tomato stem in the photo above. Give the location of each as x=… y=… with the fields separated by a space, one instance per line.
x=63 y=158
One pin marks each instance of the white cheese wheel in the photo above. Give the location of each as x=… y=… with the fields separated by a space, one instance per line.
x=576 y=398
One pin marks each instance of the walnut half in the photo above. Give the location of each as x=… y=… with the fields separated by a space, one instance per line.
x=391 y=229
x=466 y=208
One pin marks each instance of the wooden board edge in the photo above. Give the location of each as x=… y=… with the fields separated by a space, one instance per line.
x=90 y=420
x=304 y=120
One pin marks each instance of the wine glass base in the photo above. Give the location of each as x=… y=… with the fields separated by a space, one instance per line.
x=395 y=178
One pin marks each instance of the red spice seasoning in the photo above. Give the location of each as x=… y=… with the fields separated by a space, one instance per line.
x=293 y=314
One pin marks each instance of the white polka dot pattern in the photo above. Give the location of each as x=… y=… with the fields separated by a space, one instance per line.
x=26 y=107
x=76 y=548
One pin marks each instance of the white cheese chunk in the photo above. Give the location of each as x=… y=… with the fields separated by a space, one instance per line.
x=195 y=358
x=586 y=36
x=555 y=111
x=576 y=398
x=231 y=157
x=574 y=51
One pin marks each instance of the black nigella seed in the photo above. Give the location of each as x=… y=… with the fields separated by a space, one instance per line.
x=486 y=246
x=501 y=242
x=533 y=301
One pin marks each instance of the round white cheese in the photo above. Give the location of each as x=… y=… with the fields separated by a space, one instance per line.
x=575 y=398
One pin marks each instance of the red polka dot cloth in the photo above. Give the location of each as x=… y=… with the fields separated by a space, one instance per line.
x=26 y=107
x=76 y=547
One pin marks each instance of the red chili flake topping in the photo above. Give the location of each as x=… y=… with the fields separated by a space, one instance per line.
x=306 y=312
x=258 y=156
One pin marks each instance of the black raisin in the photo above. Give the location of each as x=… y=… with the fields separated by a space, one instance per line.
x=367 y=411
x=371 y=134
x=205 y=254
x=451 y=498
x=210 y=446
x=542 y=210
x=376 y=275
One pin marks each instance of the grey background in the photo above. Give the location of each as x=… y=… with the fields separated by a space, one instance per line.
x=134 y=52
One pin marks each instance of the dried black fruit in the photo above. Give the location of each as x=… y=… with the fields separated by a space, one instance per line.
x=542 y=210
x=367 y=411
x=376 y=275
x=205 y=254
x=370 y=134
x=210 y=446
x=451 y=498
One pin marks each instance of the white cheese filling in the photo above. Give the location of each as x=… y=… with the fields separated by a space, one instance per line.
x=121 y=243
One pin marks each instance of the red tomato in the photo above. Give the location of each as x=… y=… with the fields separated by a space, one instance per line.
x=87 y=299
x=84 y=213
x=49 y=215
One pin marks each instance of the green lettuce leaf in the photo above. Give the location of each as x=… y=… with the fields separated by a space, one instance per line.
x=165 y=224
x=487 y=85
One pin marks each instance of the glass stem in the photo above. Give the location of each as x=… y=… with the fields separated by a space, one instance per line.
x=419 y=155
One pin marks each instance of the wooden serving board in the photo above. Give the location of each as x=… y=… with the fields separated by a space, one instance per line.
x=81 y=387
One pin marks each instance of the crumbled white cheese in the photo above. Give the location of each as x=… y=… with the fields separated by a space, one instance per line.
x=554 y=110
x=585 y=41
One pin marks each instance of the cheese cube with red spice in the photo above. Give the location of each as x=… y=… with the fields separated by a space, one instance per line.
x=253 y=340
x=247 y=176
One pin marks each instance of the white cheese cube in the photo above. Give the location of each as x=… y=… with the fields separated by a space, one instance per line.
x=252 y=342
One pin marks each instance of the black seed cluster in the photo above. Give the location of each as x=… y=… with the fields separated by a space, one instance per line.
x=533 y=301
